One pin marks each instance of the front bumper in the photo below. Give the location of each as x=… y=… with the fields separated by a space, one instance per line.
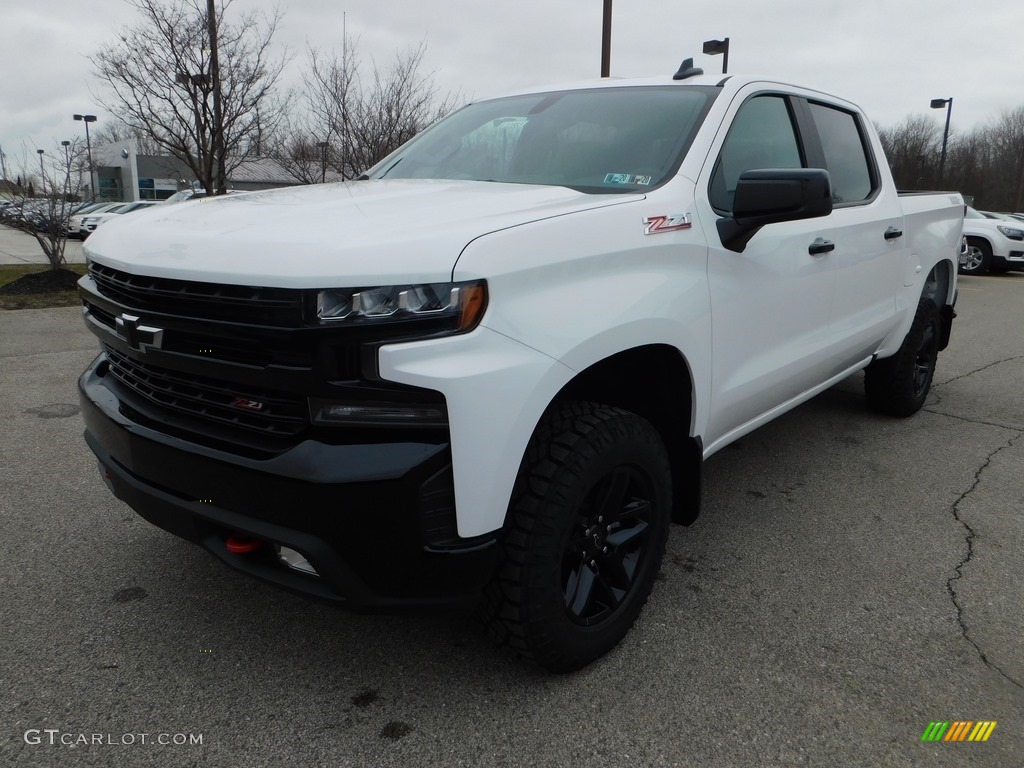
x=373 y=520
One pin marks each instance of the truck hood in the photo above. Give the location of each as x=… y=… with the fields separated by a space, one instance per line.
x=346 y=235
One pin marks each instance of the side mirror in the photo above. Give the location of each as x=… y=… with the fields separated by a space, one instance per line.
x=771 y=196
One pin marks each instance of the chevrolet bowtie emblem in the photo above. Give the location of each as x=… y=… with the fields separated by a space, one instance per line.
x=137 y=336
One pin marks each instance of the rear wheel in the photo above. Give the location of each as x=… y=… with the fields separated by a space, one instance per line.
x=898 y=385
x=585 y=535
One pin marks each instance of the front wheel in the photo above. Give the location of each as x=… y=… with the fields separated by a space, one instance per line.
x=979 y=257
x=585 y=534
x=898 y=385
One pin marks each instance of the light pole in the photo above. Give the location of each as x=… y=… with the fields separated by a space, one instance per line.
x=88 y=148
x=714 y=47
x=323 y=160
x=606 y=40
x=220 y=180
x=67 y=168
x=42 y=172
x=939 y=104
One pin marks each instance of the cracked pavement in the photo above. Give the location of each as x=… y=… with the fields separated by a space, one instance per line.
x=852 y=578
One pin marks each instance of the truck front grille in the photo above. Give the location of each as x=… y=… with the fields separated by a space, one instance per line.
x=210 y=301
x=260 y=411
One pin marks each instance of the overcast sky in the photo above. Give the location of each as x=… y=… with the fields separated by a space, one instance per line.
x=889 y=56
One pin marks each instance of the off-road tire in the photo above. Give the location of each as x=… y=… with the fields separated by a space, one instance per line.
x=593 y=477
x=898 y=385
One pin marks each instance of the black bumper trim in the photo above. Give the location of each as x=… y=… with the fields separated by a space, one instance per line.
x=362 y=535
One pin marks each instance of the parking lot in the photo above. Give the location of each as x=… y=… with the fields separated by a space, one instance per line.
x=852 y=579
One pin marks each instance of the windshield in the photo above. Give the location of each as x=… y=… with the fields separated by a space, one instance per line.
x=600 y=141
x=185 y=194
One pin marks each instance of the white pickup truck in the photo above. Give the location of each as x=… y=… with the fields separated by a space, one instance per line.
x=487 y=373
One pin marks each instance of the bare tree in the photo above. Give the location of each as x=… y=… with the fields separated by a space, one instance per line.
x=1006 y=139
x=360 y=118
x=161 y=84
x=115 y=132
x=911 y=148
x=986 y=164
x=49 y=222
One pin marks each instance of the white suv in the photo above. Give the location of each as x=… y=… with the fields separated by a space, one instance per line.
x=993 y=244
x=93 y=220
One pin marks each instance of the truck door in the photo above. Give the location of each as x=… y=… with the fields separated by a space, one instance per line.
x=770 y=305
x=867 y=221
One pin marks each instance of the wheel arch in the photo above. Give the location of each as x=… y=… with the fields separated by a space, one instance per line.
x=938 y=285
x=656 y=383
x=983 y=237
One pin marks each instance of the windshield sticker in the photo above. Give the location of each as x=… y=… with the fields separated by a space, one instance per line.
x=654 y=225
x=627 y=178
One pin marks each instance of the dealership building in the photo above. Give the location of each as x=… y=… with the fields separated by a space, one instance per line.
x=123 y=174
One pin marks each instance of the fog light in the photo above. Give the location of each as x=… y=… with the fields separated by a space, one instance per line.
x=295 y=560
x=379 y=414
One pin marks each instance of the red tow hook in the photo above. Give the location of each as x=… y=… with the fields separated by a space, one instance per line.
x=241 y=544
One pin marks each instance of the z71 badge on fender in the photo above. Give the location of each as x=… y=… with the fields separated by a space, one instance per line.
x=656 y=224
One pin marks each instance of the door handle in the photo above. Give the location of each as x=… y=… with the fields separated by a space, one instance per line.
x=892 y=233
x=820 y=246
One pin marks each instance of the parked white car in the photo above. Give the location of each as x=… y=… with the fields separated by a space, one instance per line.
x=75 y=222
x=90 y=222
x=993 y=244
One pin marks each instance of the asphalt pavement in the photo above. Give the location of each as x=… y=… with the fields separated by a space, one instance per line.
x=852 y=579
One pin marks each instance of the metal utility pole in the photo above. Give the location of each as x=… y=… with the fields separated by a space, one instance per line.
x=344 y=95
x=939 y=104
x=220 y=179
x=88 y=148
x=714 y=47
x=42 y=172
x=606 y=40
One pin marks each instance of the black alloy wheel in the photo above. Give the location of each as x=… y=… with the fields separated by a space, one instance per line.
x=605 y=547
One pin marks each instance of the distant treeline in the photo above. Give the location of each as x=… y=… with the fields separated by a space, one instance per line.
x=987 y=163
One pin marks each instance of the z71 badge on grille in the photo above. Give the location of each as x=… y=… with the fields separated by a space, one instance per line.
x=247 y=404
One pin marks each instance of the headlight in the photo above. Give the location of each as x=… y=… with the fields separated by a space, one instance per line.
x=462 y=304
x=1010 y=232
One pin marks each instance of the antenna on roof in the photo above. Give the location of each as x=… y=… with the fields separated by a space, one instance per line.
x=686 y=70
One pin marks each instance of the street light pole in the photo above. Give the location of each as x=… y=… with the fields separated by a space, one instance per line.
x=67 y=172
x=42 y=172
x=218 y=124
x=939 y=104
x=88 y=148
x=714 y=47
x=606 y=40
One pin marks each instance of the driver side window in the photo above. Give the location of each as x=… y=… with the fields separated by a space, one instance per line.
x=761 y=136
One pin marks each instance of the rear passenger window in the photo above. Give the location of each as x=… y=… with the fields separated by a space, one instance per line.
x=761 y=136
x=845 y=156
